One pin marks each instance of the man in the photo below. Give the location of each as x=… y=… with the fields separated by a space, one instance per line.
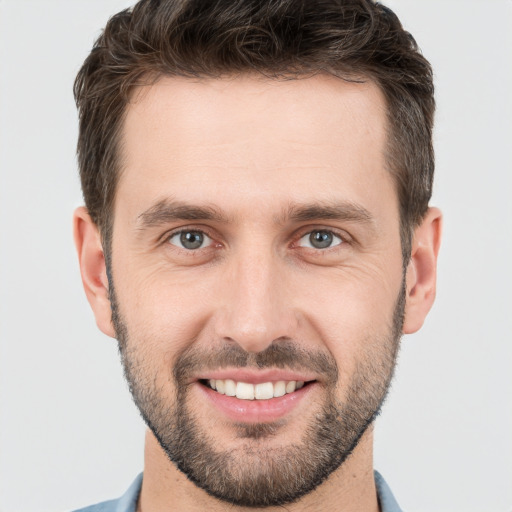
x=257 y=236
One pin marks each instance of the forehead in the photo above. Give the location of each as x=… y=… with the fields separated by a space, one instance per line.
x=219 y=111
x=279 y=139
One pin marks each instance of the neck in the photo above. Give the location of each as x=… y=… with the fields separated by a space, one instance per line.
x=351 y=488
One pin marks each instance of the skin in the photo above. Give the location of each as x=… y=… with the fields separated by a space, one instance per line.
x=250 y=148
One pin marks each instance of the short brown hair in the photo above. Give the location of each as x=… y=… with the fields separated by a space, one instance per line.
x=355 y=40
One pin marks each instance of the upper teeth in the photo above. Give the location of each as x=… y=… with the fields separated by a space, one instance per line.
x=246 y=391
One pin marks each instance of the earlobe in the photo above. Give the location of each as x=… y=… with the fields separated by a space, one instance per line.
x=92 y=268
x=422 y=271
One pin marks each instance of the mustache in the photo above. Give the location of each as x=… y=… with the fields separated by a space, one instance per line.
x=282 y=353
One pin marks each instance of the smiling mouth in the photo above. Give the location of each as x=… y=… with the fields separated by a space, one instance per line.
x=247 y=391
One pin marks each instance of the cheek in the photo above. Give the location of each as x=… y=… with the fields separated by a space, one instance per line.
x=163 y=310
x=350 y=299
x=353 y=316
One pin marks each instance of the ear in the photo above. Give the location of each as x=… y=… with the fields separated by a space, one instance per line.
x=93 y=269
x=421 y=271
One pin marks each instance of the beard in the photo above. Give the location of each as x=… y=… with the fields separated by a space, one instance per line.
x=254 y=474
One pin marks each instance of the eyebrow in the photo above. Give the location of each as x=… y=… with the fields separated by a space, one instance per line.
x=343 y=211
x=167 y=210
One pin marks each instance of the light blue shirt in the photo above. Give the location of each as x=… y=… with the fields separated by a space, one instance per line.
x=128 y=502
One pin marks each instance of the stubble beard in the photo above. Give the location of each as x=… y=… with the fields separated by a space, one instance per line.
x=253 y=474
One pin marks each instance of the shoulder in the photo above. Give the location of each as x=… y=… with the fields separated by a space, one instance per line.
x=126 y=503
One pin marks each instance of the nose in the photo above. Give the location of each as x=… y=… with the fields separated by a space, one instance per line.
x=255 y=307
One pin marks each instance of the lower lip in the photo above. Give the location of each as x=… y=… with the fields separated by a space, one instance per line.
x=256 y=411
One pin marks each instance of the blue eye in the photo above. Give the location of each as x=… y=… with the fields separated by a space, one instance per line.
x=320 y=239
x=190 y=240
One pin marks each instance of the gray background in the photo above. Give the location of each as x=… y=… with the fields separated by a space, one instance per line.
x=69 y=434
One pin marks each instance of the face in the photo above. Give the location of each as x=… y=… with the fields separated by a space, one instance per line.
x=256 y=277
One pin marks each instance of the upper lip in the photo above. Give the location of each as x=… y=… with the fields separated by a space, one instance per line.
x=254 y=376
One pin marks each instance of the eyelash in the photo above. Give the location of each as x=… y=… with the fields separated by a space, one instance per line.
x=166 y=239
x=345 y=239
x=323 y=249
